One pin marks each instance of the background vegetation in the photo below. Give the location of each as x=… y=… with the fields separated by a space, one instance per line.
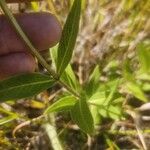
x=110 y=68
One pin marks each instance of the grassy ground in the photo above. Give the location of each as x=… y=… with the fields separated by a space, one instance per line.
x=114 y=36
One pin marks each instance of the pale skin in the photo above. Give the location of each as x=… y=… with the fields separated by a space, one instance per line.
x=42 y=29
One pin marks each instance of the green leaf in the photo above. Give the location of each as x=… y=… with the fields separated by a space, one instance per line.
x=144 y=57
x=98 y=98
x=22 y=86
x=93 y=83
x=9 y=116
x=110 y=111
x=115 y=112
x=106 y=96
x=68 y=38
x=64 y=103
x=95 y=114
x=135 y=89
x=68 y=76
x=113 y=90
x=94 y=77
x=104 y=107
x=81 y=115
x=70 y=79
x=8 y=119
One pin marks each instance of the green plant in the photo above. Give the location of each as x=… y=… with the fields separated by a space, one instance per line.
x=79 y=100
x=105 y=94
x=26 y=85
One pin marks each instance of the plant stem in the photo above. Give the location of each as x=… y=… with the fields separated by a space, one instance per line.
x=69 y=89
x=32 y=49
x=51 y=131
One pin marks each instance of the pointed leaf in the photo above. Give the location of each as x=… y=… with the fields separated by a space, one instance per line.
x=136 y=91
x=81 y=115
x=95 y=114
x=94 y=77
x=68 y=76
x=98 y=98
x=22 y=86
x=9 y=116
x=110 y=111
x=115 y=112
x=8 y=119
x=70 y=79
x=64 y=103
x=93 y=83
x=68 y=38
x=113 y=90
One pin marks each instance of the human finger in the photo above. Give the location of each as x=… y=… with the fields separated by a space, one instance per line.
x=16 y=63
x=43 y=30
